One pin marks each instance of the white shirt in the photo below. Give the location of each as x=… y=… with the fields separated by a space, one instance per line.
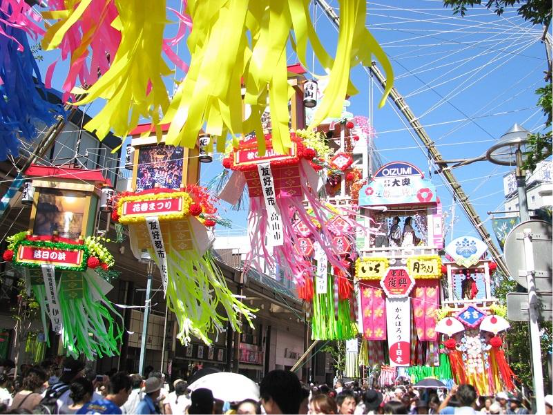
x=5 y=396
x=132 y=403
x=178 y=405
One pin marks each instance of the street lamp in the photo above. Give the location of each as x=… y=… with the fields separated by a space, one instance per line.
x=509 y=151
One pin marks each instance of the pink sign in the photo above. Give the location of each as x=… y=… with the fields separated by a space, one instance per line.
x=153 y=207
x=373 y=307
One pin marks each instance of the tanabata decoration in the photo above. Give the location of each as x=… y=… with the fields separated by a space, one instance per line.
x=23 y=96
x=233 y=45
x=170 y=225
x=284 y=233
x=63 y=276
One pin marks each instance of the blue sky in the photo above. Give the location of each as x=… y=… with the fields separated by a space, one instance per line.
x=468 y=80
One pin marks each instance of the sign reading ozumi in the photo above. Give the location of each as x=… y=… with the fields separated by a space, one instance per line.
x=397 y=283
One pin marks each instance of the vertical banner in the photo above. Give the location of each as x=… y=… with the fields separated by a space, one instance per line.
x=154 y=230
x=373 y=306
x=399 y=330
x=425 y=304
x=321 y=276
x=49 y=275
x=275 y=235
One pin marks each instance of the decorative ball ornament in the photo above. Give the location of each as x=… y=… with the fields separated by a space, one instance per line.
x=350 y=124
x=93 y=262
x=444 y=269
x=350 y=177
x=209 y=223
x=104 y=266
x=492 y=266
x=7 y=255
x=496 y=341
x=195 y=209
x=450 y=344
x=309 y=153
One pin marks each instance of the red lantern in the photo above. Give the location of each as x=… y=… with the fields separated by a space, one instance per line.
x=496 y=342
x=450 y=344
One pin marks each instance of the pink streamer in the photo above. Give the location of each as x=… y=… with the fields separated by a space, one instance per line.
x=373 y=306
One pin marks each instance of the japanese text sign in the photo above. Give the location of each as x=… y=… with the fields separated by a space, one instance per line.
x=154 y=207
x=398 y=318
x=397 y=283
x=371 y=268
x=44 y=255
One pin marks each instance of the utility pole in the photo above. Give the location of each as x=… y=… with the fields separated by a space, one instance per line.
x=433 y=152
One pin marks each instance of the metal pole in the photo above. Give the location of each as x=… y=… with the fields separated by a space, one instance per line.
x=521 y=188
x=533 y=310
x=164 y=337
x=147 y=304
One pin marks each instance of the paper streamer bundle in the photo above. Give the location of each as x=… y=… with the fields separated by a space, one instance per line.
x=233 y=44
x=23 y=97
x=72 y=296
x=122 y=41
x=171 y=226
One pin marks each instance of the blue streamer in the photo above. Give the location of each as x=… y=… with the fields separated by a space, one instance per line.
x=23 y=96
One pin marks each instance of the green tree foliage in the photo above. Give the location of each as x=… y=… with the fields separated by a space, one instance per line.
x=538 y=12
x=337 y=351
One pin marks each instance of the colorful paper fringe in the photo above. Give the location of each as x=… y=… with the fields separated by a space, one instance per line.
x=23 y=97
x=88 y=324
x=324 y=325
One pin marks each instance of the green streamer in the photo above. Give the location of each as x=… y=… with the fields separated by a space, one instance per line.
x=442 y=372
x=324 y=325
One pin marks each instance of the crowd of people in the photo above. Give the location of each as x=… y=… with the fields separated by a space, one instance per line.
x=71 y=388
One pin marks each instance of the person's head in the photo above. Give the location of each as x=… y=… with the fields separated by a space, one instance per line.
x=34 y=380
x=487 y=403
x=281 y=392
x=180 y=388
x=398 y=394
x=152 y=387
x=372 y=399
x=339 y=384
x=406 y=400
x=72 y=369
x=421 y=407
x=248 y=406
x=466 y=394
x=119 y=388
x=396 y=220
x=136 y=381
x=502 y=398
x=202 y=402
x=434 y=402
x=514 y=402
x=549 y=404
x=304 y=404
x=81 y=390
x=322 y=404
x=395 y=407
x=495 y=408
x=156 y=374
x=408 y=220
x=346 y=402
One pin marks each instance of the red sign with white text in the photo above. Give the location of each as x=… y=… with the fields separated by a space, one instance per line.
x=251 y=155
x=42 y=255
x=153 y=207
x=397 y=282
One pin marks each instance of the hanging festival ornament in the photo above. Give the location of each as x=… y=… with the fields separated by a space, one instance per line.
x=310 y=91
x=65 y=266
x=206 y=147
x=494 y=324
x=168 y=222
x=28 y=193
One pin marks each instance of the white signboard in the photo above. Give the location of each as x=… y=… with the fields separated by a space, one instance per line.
x=154 y=230
x=275 y=236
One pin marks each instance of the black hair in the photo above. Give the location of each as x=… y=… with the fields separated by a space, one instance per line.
x=34 y=379
x=136 y=381
x=202 y=402
x=395 y=407
x=155 y=374
x=118 y=382
x=180 y=388
x=79 y=388
x=284 y=388
x=90 y=374
x=343 y=395
x=71 y=369
x=466 y=395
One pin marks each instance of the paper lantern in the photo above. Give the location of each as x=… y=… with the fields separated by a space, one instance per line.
x=310 y=91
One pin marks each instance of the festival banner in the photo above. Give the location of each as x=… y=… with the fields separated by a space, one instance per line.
x=399 y=329
x=152 y=223
x=274 y=234
x=425 y=304
x=373 y=307
x=53 y=305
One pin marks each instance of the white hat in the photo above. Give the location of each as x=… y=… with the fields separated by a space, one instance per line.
x=495 y=408
x=152 y=385
x=549 y=400
x=501 y=395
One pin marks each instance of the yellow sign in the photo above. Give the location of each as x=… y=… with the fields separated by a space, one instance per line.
x=371 y=268
x=425 y=266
